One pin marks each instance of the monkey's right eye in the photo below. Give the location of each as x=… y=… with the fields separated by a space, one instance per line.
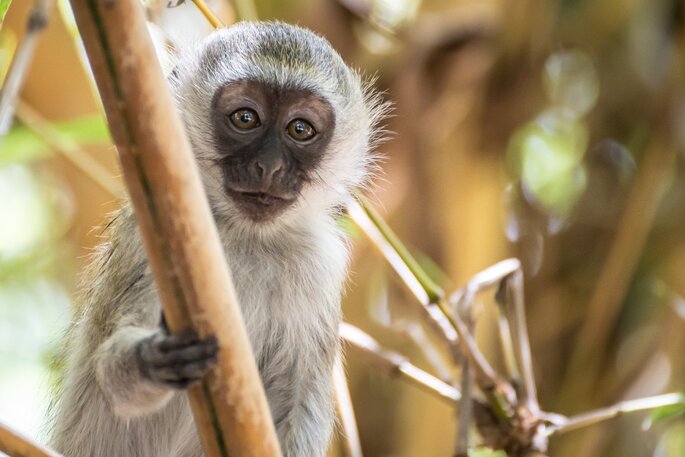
x=245 y=119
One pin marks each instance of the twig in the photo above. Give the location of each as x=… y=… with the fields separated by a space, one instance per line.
x=431 y=289
x=176 y=225
x=15 y=444
x=510 y=297
x=624 y=407
x=408 y=270
x=465 y=407
x=69 y=149
x=465 y=410
x=36 y=22
x=397 y=365
x=487 y=378
x=209 y=14
x=351 y=442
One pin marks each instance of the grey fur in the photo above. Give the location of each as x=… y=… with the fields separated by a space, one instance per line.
x=288 y=272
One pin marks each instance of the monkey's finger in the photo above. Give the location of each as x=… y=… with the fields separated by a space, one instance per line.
x=181 y=384
x=171 y=342
x=193 y=370
x=185 y=354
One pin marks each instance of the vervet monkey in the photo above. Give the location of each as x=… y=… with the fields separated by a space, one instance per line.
x=283 y=132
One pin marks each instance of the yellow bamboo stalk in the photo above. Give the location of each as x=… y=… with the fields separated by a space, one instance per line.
x=176 y=224
x=15 y=444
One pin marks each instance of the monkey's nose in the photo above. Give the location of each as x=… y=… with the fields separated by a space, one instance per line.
x=266 y=170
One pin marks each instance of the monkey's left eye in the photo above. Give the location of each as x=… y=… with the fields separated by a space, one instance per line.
x=300 y=130
x=245 y=119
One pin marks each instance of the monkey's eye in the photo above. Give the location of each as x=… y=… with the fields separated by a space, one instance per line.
x=245 y=119
x=300 y=130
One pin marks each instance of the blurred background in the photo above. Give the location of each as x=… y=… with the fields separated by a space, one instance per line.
x=548 y=130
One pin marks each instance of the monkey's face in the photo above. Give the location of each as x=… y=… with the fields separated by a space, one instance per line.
x=270 y=142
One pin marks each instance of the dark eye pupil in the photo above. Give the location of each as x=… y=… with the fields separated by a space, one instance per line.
x=244 y=119
x=300 y=130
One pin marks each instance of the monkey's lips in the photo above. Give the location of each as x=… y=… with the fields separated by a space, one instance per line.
x=260 y=206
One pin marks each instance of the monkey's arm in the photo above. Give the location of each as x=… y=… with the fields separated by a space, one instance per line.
x=138 y=365
x=138 y=369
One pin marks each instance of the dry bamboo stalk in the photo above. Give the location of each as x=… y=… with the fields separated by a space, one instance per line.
x=180 y=237
x=352 y=446
x=628 y=406
x=397 y=365
x=16 y=445
x=36 y=22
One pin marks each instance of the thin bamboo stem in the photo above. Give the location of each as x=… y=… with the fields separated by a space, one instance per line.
x=397 y=365
x=207 y=12
x=624 y=407
x=513 y=303
x=176 y=225
x=379 y=234
x=433 y=291
x=15 y=444
x=489 y=381
x=36 y=22
x=351 y=443
x=465 y=408
x=69 y=149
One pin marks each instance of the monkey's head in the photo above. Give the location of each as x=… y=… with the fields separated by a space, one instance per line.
x=280 y=125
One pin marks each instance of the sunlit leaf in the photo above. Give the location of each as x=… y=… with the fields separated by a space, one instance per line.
x=4 y=6
x=547 y=155
x=485 y=452
x=664 y=413
x=21 y=144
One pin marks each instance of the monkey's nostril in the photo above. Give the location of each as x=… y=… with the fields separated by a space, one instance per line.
x=259 y=168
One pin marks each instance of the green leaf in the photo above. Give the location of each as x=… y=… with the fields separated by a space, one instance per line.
x=663 y=414
x=4 y=6
x=486 y=452
x=21 y=144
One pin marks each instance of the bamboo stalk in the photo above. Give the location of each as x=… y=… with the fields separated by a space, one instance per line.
x=511 y=300
x=14 y=444
x=36 y=22
x=207 y=12
x=624 y=407
x=351 y=442
x=397 y=365
x=176 y=224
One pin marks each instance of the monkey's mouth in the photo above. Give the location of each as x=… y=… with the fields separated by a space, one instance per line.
x=260 y=206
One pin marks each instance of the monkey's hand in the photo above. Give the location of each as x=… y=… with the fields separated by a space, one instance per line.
x=176 y=360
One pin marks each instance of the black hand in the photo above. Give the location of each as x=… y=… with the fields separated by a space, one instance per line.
x=176 y=360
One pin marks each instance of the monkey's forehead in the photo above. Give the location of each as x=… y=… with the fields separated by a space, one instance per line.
x=276 y=53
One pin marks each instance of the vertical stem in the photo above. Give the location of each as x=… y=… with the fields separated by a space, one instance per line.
x=351 y=442
x=177 y=227
x=513 y=303
x=37 y=21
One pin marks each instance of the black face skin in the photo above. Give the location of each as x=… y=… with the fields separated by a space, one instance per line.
x=271 y=141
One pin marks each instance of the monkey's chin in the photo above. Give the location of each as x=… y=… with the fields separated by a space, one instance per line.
x=260 y=206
